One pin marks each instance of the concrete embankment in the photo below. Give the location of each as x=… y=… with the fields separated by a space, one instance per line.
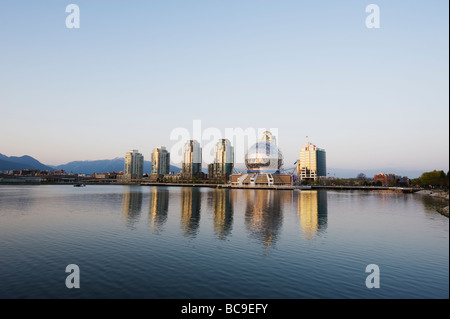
x=439 y=196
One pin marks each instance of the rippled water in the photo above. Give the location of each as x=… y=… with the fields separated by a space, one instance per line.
x=159 y=242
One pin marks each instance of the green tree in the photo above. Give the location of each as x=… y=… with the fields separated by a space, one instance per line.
x=434 y=178
x=442 y=179
x=447 y=182
x=361 y=177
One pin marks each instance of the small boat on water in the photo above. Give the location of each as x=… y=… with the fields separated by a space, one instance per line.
x=79 y=185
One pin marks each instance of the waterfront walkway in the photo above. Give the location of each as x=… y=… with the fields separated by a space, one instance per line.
x=371 y=188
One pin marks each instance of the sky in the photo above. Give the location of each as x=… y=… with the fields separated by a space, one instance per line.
x=136 y=71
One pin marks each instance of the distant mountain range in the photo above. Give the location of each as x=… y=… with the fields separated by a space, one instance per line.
x=102 y=166
x=117 y=164
x=99 y=166
x=76 y=167
x=22 y=162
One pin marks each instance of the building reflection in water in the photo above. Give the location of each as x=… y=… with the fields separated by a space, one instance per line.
x=313 y=212
x=159 y=207
x=264 y=214
x=131 y=205
x=223 y=212
x=190 y=210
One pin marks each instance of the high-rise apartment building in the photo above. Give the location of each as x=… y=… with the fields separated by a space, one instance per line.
x=134 y=165
x=192 y=159
x=312 y=162
x=223 y=160
x=160 y=161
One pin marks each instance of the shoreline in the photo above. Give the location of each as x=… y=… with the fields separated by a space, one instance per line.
x=438 y=195
x=230 y=186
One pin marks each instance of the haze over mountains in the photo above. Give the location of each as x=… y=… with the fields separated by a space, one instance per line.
x=117 y=164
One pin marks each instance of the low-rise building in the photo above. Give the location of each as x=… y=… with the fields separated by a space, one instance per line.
x=386 y=179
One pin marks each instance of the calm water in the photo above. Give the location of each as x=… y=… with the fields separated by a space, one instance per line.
x=158 y=242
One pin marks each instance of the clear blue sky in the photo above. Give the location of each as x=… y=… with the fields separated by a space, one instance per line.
x=136 y=70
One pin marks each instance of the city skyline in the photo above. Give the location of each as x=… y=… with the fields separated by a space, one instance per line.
x=240 y=166
x=132 y=74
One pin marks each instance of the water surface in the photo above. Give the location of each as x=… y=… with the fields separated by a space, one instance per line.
x=181 y=242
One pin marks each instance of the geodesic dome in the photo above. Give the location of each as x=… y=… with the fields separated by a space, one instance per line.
x=263 y=157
